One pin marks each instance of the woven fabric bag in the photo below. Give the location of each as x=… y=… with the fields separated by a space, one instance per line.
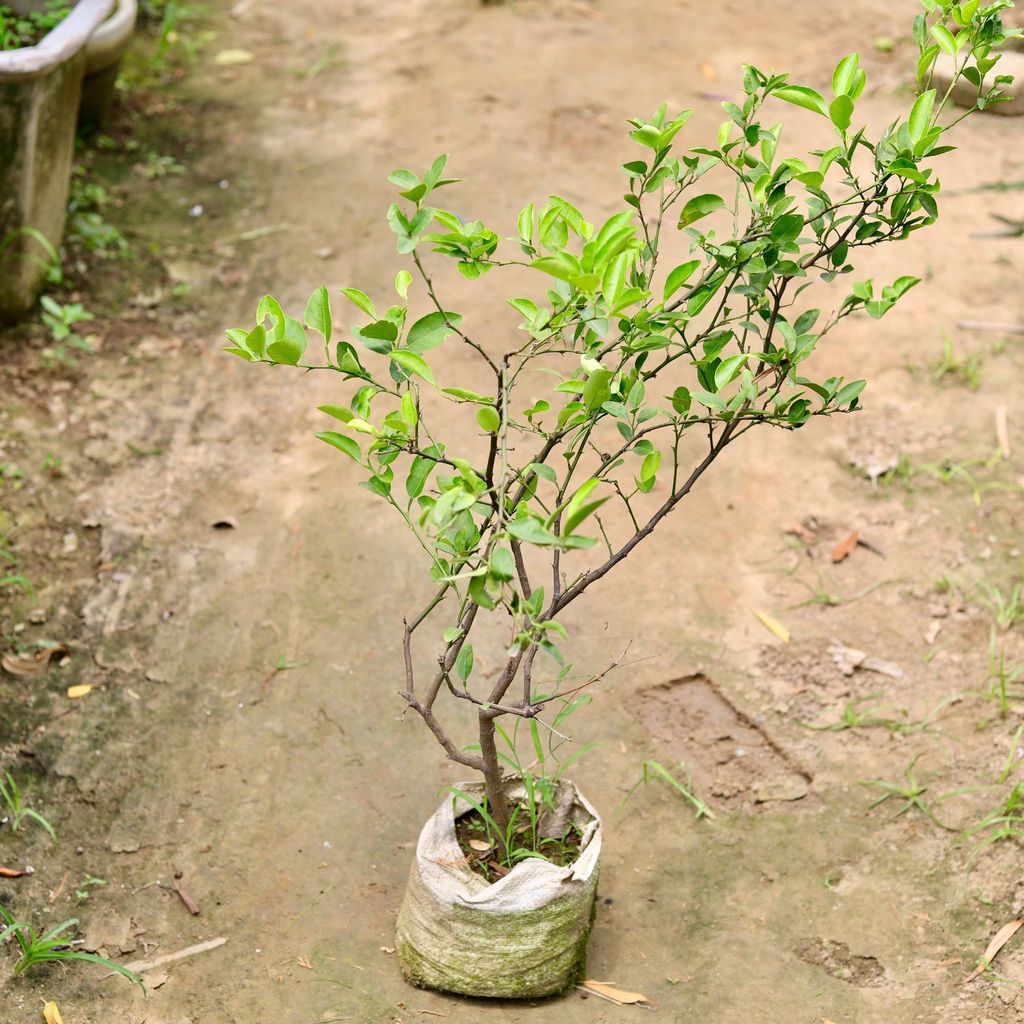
x=523 y=936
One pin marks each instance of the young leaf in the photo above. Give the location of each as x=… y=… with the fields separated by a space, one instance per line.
x=430 y=331
x=678 y=277
x=464 y=662
x=945 y=39
x=361 y=299
x=801 y=96
x=921 y=115
x=502 y=564
x=380 y=330
x=698 y=207
x=488 y=418
x=418 y=472
x=346 y=444
x=412 y=363
x=841 y=112
x=318 y=313
x=845 y=76
x=289 y=342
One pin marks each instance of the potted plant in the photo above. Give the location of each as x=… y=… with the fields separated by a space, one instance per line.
x=42 y=57
x=525 y=492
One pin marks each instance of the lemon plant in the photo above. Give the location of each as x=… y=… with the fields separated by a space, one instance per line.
x=620 y=378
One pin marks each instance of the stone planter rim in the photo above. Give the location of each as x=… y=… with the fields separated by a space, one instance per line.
x=107 y=44
x=58 y=46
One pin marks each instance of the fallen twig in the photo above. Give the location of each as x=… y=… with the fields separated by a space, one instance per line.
x=1003 y=430
x=981 y=325
x=186 y=898
x=141 y=966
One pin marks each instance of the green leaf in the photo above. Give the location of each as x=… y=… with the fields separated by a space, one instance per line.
x=468 y=396
x=597 y=389
x=403 y=179
x=580 y=514
x=402 y=281
x=727 y=370
x=409 y=414
x=680 y=276
x=361 y=299
x=681 y=401
x=478 y=594
x=288 y=344
x=343 y=443
x=801 y=96
x=380 y=330
x=339 y=412
x=525 y=224
x=429 y=331
x=614 y=277
x=698 y=207
x=419 y=471
x=452 y=633
x=531 y=531
x=256 y=341
x=318 y=313
x=412 y=363
x=488 y=418
x=841 y=112
x=845 y=77
x=648 y=471
x=542 y=470
x=502 y=564
x=464 y=662
x=921 y=115
x=851 y=391
x=945 y=39
x=433 y=175
x=787 y=228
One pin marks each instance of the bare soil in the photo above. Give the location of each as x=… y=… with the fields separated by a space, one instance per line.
x=243 y=741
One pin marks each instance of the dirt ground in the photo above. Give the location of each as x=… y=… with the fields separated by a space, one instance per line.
x=244 y=740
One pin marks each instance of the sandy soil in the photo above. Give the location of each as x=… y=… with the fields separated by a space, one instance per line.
x=281 y=799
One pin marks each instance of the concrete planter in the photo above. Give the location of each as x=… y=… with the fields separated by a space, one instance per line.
x=103 y=56
x=40 y=87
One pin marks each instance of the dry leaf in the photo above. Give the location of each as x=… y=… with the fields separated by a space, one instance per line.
x=13 y=873
x=773 y=626
x=303 y=961
x=608 y=991
x=387 y=949
x=708 y=71
x=844 y=548
x=51 y=1014
x=479 y=845
x=1002 y=937
x=81 y=690
x=34 y=664
x=229 y=58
